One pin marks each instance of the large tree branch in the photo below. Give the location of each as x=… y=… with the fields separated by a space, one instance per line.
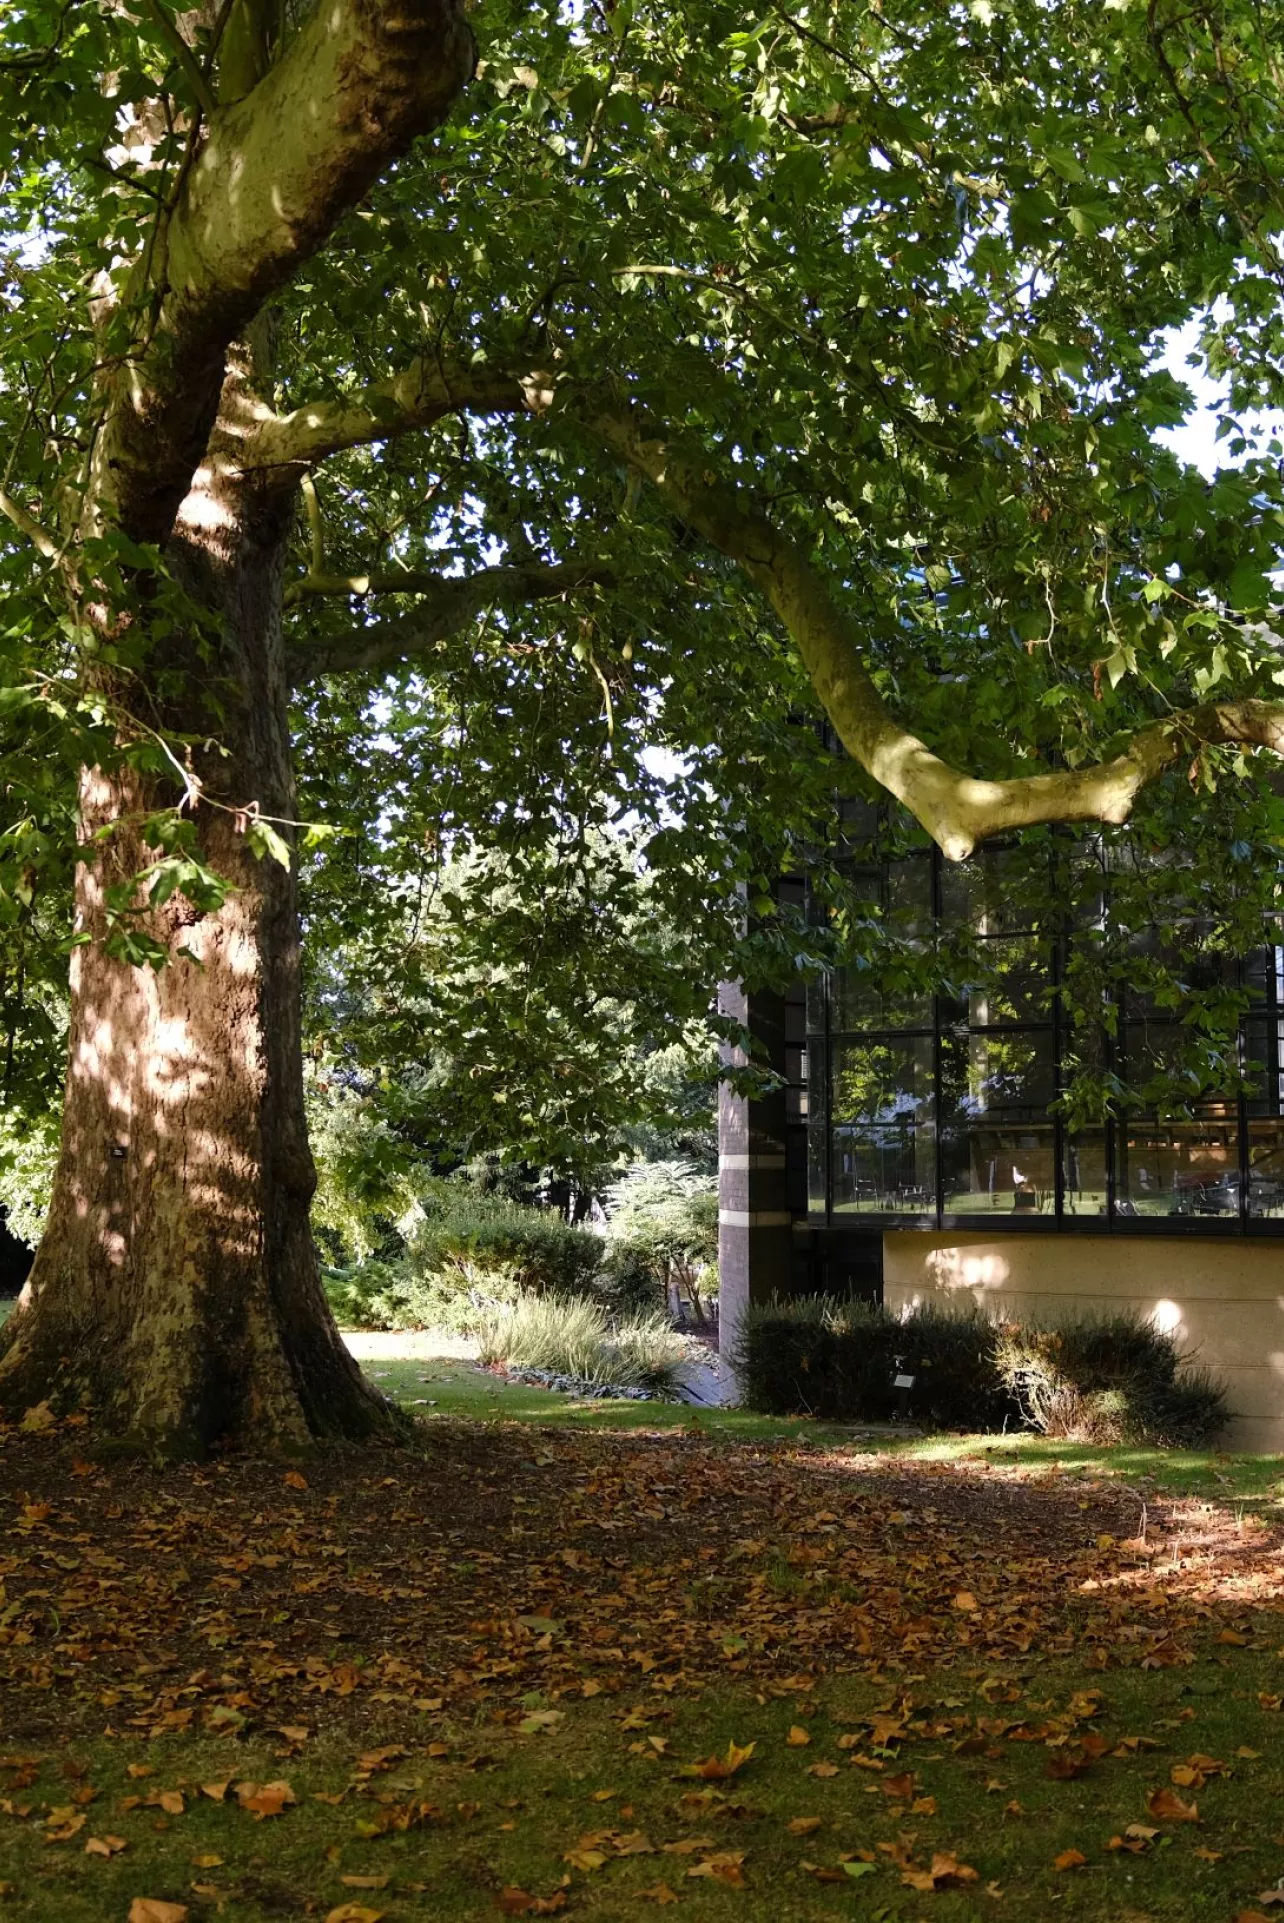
x=425 y=393
x=448 y=606
x=957 y=810
x=275 y=173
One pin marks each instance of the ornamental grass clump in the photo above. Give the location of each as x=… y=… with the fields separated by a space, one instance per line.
x=566 y=1335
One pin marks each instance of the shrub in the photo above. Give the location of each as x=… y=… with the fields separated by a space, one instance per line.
x=456 y=1228
x=838 y=1358
x=1110 y=1379
x=568 y=1335
x=1117 y=1379
x=367 y=1295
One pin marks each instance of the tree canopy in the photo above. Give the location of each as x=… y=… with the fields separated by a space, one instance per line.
x=531 y=391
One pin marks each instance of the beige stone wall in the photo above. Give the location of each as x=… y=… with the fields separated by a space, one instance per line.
x=1224 y=1300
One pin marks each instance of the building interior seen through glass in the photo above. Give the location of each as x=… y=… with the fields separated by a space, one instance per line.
x=941 y=1108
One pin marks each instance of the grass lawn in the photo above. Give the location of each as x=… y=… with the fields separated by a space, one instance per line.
x=600 y=1658
x=440 y=1389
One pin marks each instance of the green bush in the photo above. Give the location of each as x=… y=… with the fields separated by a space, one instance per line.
x=464 y=1253
x=1110 y=1379
x=838 y=1358
x=1117 y=1379
x=367 y=1295
x=569 y=1335
x=458 y=1229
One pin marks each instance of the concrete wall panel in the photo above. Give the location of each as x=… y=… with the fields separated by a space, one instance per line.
x=1224 y=1301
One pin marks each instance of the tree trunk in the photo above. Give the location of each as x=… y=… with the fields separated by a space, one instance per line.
x=176 y=1296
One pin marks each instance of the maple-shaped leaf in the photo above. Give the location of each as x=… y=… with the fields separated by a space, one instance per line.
x=1069 y=1860
x=715 y=1768
x=586 y=1860
x=540 y=1719
x=1169 y=1808
x=293 y=1480
x=858 y=1867
x=822 y=1769
x=901 y=1787
x=264 y=1799
x=945 y=1873
x=215 y=1791
x=105 y=1845
x=152 y=1909
x=723 y=1868
x=518 y=1902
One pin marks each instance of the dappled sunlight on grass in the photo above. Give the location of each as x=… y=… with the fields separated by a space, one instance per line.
x=1206 y=1472
x=447 y=1386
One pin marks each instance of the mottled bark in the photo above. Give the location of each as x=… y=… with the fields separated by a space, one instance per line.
x=176 y=1294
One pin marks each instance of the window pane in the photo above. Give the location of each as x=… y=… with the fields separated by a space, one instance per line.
x=1001 y=891
x=1083 y=1173
x=1264 y=1074
x=859 y=1004
x=1017 y=982
x=997 y=1138
x=1187 y=1168
x=817 y=1131
x=883 y=1146
x=868 y=998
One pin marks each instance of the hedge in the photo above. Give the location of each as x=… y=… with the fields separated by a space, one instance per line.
x=1113 y=1379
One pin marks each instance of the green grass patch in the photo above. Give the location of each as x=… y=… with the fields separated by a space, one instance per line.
x=848 y=1791
x=436 y=1389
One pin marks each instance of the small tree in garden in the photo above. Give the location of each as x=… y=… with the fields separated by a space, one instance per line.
x=662 y=1218
x=635 y=372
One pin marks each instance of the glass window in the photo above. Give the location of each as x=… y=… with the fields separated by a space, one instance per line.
x=997 y=1137
x=1185 y=1163
x=884 y=1148
x=1001 y=891
x=1186 y=1168
x=858 y=1003
x=1264 y=1078
x=1084 y=1186
x=1015 y=983
x=817 y=1133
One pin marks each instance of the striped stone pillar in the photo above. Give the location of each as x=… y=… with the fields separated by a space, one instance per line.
x=755 y=1227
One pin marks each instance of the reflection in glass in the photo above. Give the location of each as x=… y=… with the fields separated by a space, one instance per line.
x=1084 y=1185
x=1264 y=1078
x=1001 y=891
x=859 y=1004
x=997 y=1138
x=1014 y=983
x=1180 y=1168
x=817 y=1138
x=884 y=1156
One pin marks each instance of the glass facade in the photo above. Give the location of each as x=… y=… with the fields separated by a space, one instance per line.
x=941 y=1109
